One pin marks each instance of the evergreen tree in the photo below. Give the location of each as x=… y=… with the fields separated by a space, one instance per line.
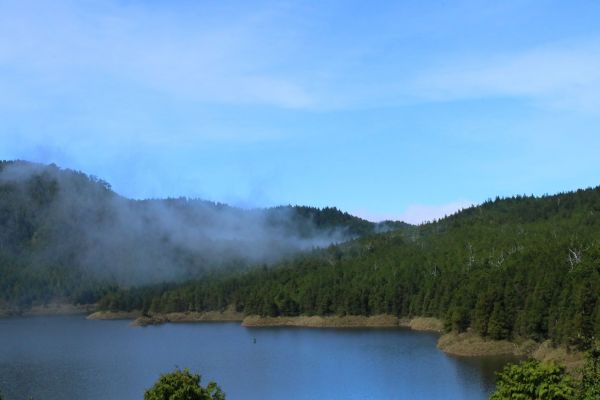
x=498 y=326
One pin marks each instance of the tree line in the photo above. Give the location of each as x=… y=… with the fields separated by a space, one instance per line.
x=66 y=236
x=517 y=267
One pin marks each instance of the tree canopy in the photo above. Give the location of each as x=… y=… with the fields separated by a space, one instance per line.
x=590 y=380
x=66 y=235
x=516 y=267
x=183 y=385
x=534 y=380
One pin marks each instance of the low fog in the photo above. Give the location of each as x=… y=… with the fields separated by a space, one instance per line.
x=66 y=218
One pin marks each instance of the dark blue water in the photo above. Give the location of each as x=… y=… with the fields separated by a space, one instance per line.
x=51 y=358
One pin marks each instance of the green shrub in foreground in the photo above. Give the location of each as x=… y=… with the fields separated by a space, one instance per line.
x=590 y=380
x=534 y=380
x=548 y=381
x=183 y=385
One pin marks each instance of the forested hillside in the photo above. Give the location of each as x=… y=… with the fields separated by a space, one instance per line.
x=521 y=266
x=66 y=235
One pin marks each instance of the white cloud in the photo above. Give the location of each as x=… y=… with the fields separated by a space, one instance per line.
x=563 y=75
x=262 y=56
x=62 y=48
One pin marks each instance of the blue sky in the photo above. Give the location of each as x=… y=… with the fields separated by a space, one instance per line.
x=403 y=110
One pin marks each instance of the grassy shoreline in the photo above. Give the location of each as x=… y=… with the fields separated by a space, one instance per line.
x=461 y=345
x=346 y=321
x=469 y=344
x=139 y=319
x=50 y=310
x=256 y=321
x=466 y=344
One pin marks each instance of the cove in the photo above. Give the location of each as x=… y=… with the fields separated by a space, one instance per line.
x=69 y=357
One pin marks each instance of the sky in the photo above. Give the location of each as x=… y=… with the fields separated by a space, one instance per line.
x=387 y=110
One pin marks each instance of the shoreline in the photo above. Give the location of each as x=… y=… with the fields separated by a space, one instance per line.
x=469 y=344
x=51 y=309
x=472 y=345
x=113 y=315
x=346 y=321
x=139 y=319
x=188 y=317
x=256 y=321
x=465 y=344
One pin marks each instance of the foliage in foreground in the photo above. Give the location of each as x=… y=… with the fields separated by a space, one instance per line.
x=590 y=382
x=534 y=380
x=183 y=385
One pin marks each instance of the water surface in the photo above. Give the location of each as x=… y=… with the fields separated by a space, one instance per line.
x=58 y=358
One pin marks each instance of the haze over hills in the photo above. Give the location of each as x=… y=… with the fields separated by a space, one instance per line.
x=189 y=162
x=512 y=267
x=62 y=231
x=515 y=268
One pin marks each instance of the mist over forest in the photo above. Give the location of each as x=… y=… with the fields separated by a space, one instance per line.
x=53 y=218
x=66 y=236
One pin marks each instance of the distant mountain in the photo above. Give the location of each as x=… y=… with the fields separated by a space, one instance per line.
x=519 y=267
x=64 y=233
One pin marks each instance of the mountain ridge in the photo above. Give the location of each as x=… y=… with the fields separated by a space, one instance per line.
x=60 y=229
x=522 y=268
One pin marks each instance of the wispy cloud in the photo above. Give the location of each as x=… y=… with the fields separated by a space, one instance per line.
x=264 y=55
x=559 y=75
x=208 y=98
x=62 y=46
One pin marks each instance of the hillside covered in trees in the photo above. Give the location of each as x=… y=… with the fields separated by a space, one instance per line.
x=66 y=235
x=514 y=267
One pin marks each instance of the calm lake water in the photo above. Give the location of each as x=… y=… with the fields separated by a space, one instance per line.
x=58 y=358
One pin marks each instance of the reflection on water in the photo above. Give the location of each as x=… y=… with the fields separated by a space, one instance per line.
x=71 y=358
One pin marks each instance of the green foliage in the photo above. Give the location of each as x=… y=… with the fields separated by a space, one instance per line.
x=590 y=381
x=546 y=381
x=458 y=319
x=498 y=325
x=330 y=218
x=183 y=385
x=514 y=267
x=517 y=267
x=534 y=380
x=66 y=236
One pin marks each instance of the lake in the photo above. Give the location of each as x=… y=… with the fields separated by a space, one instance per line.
x=69 y=357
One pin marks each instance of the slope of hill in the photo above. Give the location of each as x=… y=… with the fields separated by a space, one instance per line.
x=66 y=234
x=517 y=267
